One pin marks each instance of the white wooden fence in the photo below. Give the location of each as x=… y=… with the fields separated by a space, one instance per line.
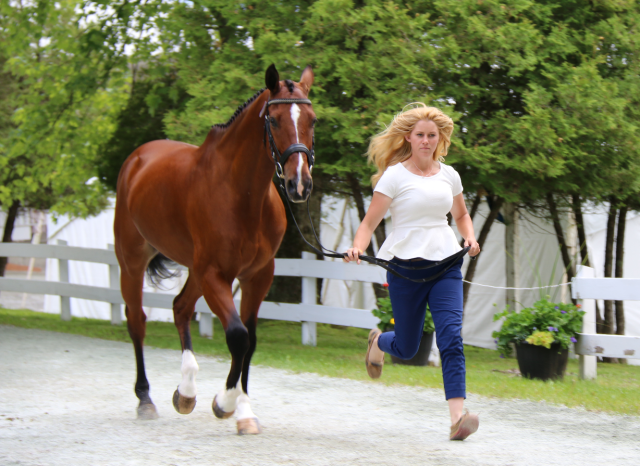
x=590 y=345
x=308 y=312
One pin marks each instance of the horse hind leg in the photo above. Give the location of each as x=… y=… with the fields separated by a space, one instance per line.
x=134 y=254
x=136 y=324
x=184 y=398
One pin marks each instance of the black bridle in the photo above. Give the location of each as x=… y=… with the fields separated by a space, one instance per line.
x=280 y=159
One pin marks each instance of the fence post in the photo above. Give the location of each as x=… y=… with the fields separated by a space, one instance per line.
x=63 y=274
x=588 y=364
x=114 y=283
x=309 y=294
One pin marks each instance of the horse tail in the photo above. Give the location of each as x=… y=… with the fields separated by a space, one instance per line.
x=158 y=270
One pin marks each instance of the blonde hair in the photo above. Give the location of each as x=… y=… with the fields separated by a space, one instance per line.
x=390 y=147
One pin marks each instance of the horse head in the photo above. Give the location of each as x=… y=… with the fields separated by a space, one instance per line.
x=289 y=122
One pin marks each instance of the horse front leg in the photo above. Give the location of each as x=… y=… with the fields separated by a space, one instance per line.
x=184 y=398
x=254 y=291
x=217 y=292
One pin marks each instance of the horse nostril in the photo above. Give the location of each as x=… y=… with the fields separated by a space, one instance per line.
x=308 y=186
x=291 y=187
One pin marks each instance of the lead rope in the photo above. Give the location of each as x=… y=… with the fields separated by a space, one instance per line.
x=278 y=161
x=373 y=260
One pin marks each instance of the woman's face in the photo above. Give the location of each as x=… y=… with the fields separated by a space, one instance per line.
x=424 y=139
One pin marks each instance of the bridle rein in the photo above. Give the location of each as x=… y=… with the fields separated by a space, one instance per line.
x=280 y=159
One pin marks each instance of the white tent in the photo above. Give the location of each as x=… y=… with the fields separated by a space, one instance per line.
x=95 y=232
x=538 y=263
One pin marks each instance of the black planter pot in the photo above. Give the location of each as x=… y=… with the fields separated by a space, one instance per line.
x=422 y=356
x=538 y=362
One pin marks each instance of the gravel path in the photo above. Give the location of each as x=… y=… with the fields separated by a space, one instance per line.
x=68 y=400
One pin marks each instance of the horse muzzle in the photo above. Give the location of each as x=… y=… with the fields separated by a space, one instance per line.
x=299 y=188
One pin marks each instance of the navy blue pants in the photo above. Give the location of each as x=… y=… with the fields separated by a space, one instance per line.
x=409 y=301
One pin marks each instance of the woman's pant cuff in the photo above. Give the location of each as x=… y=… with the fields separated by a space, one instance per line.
x=455 y=394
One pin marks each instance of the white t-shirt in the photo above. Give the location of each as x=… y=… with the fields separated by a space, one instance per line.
x=419 y=213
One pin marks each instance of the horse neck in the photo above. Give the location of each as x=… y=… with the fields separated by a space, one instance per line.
x=242 y=151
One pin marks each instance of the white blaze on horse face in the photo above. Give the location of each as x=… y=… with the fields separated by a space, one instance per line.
x=228 y=399
x=295 y=115
x=187 y=387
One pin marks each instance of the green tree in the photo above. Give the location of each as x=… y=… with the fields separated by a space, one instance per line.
x=529 y=82
x=64 y=96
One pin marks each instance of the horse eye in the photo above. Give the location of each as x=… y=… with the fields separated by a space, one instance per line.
x=313 y=123
x=273 y=122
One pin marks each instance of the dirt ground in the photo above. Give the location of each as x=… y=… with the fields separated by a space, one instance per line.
x=68 y=400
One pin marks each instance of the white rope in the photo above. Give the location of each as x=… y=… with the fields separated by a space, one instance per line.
x=512 y=288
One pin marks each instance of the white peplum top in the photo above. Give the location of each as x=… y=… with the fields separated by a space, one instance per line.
x=419 y=213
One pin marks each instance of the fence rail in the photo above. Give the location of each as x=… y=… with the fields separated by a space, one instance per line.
x=308 y=311
x=590 y=344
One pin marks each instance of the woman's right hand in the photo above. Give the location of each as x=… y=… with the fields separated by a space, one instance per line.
x=353 y=254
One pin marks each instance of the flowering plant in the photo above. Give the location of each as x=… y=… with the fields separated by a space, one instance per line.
x=384 y=312
x=542 y=324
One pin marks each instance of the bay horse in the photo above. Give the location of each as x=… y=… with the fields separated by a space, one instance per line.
x=215 y=210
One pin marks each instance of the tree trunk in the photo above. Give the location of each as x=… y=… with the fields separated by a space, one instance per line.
x=358 y=197
x=486 y=227
x=472 y=213
x=289 y=289
x=510 y=216
x=582 y=237
x=8 y=231
x=356 y=191
x=607 y=325
x=564 y=249
x=584 y=250
x=381 y=234
x=619 y=270
x=475 y=205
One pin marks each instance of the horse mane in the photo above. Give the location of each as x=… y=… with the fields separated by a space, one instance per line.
x=238 y=111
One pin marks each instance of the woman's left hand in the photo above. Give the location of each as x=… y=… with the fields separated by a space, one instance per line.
x=475 y=247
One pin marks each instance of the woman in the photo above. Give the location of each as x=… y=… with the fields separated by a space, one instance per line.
x=420 y=189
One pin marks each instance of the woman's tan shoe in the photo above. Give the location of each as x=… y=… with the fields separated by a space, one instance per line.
x=466 y=426
x=374 y=368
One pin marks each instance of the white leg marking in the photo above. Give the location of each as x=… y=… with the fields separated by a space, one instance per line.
x=189 y=370
x=295 y=115
x=243 y=411
x=228 y=399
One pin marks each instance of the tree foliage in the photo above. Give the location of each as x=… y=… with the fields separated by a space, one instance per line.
x=544 y=94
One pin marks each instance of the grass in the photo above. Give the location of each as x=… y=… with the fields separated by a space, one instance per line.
x=340 y=353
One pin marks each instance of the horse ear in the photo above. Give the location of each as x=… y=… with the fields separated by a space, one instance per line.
x=306 y=80
x=272 y=79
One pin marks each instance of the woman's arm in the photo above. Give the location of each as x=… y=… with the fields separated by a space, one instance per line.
x=377 y=210
x=464 y=224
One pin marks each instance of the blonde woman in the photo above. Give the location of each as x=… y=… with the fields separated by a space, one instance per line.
x=420 y=190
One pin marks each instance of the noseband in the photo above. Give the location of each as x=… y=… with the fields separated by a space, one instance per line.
x=281 y=159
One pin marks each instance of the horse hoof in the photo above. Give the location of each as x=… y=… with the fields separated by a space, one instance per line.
x=249 y=426
x=217 y=410
x=183 y=404
x=147 y=412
